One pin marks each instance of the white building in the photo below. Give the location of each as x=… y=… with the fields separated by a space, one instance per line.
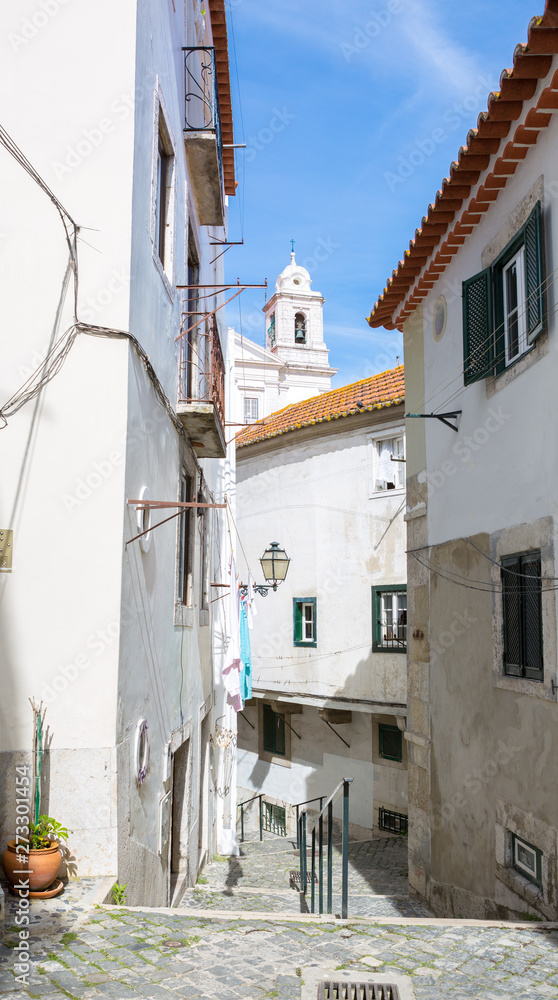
x=476 y=298
x=119 y=639
x=328 y=647
x=294 y=363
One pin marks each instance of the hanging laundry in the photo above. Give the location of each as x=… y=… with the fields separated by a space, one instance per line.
x=245 y=654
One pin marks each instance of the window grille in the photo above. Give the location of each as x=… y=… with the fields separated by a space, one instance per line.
x=391 y=742
x=274 y=818
x=392 y=821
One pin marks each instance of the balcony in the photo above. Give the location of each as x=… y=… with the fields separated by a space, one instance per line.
x=201 y=390
x=202 y=134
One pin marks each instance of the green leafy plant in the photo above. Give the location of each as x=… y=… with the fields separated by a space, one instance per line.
x=119 y=893
x=47 y=829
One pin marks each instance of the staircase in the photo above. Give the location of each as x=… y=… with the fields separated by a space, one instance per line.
x=263 y=880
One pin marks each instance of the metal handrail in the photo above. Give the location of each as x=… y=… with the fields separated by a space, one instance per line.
x=240 y=805
x=297 y=805
x=302 y=840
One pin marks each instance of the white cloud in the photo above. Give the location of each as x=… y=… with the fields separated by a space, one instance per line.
x=447 y=63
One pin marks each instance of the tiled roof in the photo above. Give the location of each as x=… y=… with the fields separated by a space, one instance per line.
x=496 y=142
x=387 y=389
x=220 y=41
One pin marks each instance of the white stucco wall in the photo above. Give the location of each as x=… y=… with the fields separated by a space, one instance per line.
x=311 y=492
x=87 y=623
x=493 y=415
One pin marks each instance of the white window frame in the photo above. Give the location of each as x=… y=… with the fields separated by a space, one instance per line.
x=534 y=874
x=251 y=419
x=375 y=443
x=522 y=340
x=162 y=134
x=308 y=622
x=395 y=625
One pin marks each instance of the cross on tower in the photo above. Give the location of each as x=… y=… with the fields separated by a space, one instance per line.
x=292 y=246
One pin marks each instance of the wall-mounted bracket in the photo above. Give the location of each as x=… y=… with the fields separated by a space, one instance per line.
x=165 y=505
x=453 y=415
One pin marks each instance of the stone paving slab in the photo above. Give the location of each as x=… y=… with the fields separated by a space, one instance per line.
x=253 y=959
x=376 y=866
x=365 y=905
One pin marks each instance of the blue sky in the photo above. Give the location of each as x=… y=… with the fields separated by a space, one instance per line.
x=352 y=111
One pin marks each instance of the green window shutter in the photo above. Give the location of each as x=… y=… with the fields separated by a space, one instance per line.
x=273 y=731
x=280 y=735
x=532 y=617
x=478 y=348
x=534 y=274
x=297 y=621
x=268 y=729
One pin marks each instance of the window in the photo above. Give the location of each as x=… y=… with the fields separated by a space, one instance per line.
x=527 y=860
x=186 y=541
x=250 y=410
x=522 y=613
x=389 y=619
x=189 y=366
x=304 y=621
x=163 y=196
x=503 y=306
x=300 y=329
x=389 y=464
x=273 y=731
x=391 y=742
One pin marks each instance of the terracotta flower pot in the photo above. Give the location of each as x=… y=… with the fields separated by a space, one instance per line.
x=40 y=866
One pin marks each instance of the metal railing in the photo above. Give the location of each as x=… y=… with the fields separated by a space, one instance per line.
x=342 y=788
x=241 y=805
x=202 y=112
x=318 y=798
x=202 y=367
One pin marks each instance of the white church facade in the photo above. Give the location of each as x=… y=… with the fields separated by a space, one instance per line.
x=294 y=364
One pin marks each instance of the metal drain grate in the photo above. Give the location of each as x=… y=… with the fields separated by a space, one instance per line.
x=294 y=878
x=336 y=990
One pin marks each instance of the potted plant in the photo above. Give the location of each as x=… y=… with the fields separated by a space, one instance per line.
x=37 y=859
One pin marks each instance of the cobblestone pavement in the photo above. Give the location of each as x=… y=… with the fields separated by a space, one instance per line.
x=136 y=955
x=261 y=880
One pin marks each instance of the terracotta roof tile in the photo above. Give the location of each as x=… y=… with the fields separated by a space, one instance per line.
x=375 y=393
x=531 y=63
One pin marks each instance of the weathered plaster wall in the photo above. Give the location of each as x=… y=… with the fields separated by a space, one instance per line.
x=319 y=760
x=489 y=768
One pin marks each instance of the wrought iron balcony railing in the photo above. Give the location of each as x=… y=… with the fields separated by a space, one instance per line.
x=202 y=113
x=201 y=388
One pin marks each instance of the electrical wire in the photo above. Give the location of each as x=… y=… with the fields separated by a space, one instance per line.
x=484 y=586
x=229 y=511
x=510 y=572
x=456 y=373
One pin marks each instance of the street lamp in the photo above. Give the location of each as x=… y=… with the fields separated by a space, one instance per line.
x=275 y=565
